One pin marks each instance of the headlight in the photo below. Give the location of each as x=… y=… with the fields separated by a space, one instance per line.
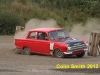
x=87 y=43
x=69 y=48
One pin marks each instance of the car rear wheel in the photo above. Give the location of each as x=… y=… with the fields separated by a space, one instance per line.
x=26 y=51
x=80 y=55
x=58 y=53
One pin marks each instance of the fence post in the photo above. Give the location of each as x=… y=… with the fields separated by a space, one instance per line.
x=94 y=44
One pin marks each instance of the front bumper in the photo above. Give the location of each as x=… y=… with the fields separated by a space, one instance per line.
x=77 y=51
x=67 y=52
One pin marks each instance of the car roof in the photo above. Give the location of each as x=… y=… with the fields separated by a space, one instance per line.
x=46 y=29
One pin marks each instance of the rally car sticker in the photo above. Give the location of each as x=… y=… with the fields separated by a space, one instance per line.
x=51 y=47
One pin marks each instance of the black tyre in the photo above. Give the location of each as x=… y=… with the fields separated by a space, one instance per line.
x=58 y=53
x=80 y=55
x=26 y=51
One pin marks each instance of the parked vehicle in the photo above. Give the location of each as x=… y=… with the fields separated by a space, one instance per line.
x=51 y=41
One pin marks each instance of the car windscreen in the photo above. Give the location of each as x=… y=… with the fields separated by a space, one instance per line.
x=58 y=34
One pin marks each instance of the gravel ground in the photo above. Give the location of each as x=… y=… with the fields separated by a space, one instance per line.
x=17 y=64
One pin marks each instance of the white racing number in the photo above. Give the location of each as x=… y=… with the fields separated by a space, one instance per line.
x=51 y=47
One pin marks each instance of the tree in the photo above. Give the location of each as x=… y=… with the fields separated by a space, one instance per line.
x=8 y=22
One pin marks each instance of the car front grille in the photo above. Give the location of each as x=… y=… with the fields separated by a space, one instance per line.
x=78 y=47
x=82 y=46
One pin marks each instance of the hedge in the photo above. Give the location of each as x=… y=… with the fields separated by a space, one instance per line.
x=8 y=22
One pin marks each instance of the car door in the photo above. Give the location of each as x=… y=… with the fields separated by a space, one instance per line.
x=43 y=43
x=32 y=41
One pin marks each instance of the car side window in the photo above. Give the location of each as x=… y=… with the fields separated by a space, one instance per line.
x=32 y=35
x=42 y=36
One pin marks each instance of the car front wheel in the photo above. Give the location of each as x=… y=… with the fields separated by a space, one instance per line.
x=58 y=53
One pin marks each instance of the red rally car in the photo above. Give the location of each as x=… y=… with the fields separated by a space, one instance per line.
x=51 y=41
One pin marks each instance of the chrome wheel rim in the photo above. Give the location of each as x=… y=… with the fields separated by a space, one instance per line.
x=58 y=53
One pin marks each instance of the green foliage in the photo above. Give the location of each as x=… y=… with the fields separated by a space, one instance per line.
x=8 y=22
x=65 y=12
